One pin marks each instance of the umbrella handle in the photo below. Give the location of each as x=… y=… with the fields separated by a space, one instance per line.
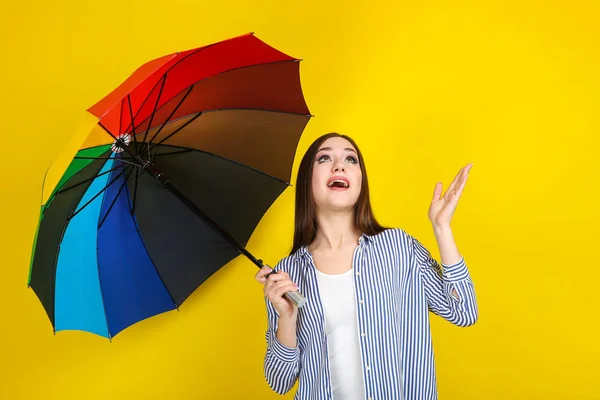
x=296 y=297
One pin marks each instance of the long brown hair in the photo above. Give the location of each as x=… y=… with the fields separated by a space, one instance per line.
x=305 y=228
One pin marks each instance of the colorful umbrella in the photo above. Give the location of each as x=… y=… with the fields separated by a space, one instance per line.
x=182 y=161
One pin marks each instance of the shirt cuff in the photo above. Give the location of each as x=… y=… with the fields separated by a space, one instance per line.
x=283 y=352
x=455 y=272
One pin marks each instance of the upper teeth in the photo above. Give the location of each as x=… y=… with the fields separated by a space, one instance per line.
x=338 y=180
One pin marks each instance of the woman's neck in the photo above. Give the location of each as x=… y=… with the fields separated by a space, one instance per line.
x=334 y=231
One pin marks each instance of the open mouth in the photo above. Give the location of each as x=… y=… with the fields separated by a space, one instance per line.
x=338 y=183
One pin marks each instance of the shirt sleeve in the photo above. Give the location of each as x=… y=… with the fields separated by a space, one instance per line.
x=282 y=363
x=441 y=282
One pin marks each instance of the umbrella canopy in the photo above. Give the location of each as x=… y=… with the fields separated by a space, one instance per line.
x=210 y=133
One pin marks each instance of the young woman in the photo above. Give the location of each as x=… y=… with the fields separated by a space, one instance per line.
x=364 y=331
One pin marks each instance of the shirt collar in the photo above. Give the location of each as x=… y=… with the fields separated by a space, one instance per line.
x=303 y=254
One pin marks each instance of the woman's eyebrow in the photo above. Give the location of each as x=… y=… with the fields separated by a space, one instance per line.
x=329 y=148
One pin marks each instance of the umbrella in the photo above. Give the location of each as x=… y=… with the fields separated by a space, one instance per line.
x=181 y=162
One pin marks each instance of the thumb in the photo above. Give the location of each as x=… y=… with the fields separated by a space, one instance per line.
x=437 y=192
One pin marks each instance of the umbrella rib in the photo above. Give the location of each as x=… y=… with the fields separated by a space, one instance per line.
x=97 y=194
x=108 y=158
x=187 y=150
x=137 y=229
x=169 y=118
x=154 y=145
x=98 y=269
x=131 y=116
x=87 y=180
x=224 y=159
x=163 y=79
x=132 y=205
x=132 y=122
x=120 y=120
x=116 y=197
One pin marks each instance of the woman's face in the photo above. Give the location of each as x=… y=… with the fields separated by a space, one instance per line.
x=337 y=178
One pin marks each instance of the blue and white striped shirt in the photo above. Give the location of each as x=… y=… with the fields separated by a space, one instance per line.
x=396 y=282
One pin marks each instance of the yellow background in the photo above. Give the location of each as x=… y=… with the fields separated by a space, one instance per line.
x=424 y=87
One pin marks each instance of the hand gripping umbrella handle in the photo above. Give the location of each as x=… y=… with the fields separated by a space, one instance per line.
x=295 y=297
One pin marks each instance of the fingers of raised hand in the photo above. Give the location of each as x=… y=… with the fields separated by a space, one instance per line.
x=456 y=179
x=458 y=189
x=455 y=188
x=461 y=186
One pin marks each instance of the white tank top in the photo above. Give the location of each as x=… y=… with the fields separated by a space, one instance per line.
x=341 y=326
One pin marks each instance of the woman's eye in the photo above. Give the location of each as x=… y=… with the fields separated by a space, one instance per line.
x=325 y=158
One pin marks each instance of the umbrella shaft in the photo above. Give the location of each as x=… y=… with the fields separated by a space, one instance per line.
x=151 y=169
x=209 y=221
x=295 y=297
